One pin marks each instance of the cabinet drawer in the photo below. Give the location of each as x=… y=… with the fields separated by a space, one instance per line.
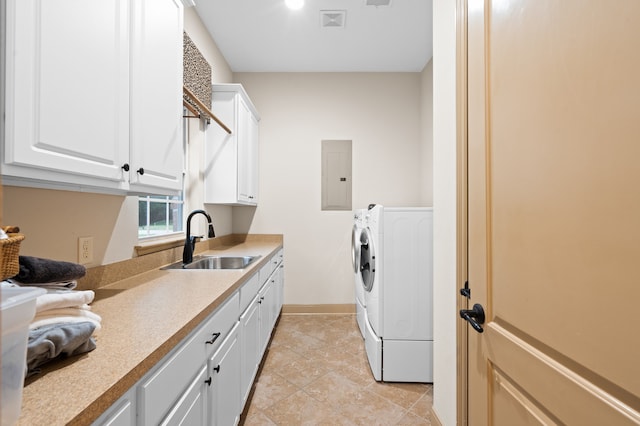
x=216 y=328
x=160 y=391
x=248 y=291
x=267 y=270
x=164 y=387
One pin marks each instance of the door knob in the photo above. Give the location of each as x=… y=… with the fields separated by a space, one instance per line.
x=474 y=316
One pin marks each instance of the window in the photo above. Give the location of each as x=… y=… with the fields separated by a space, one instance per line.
x=159 y=215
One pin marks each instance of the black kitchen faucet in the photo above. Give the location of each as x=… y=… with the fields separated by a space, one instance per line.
x=190 y=242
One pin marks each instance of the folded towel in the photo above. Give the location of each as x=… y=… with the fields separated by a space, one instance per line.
x=65 y=315
x=57 y=285
x=38 y=270
x=57 y=341
x=63 y=299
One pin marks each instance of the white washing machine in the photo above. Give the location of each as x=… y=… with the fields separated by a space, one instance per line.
x=396 y=264
x=358 y=226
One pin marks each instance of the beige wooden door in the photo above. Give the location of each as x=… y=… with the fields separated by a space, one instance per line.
x=554 y=211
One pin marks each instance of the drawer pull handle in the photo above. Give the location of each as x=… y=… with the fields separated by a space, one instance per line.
x=217 y=368
x=208 y=381
x=215 y=337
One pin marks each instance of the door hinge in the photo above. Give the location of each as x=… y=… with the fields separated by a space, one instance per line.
x=466 y=291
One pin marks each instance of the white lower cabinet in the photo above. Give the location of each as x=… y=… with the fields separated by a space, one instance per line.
x=122 y=413
x=250 y=355
x=206 y=379
x=267 y=301
x=224 y=383
x=191 y=408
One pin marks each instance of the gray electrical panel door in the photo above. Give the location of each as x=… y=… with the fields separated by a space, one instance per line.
x=336 y=175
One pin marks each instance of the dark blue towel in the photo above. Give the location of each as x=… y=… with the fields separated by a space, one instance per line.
x=35 y=270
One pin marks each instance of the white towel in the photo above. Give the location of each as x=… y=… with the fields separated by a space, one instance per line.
x=69 y=285
x=63 y=299
x=63 y=315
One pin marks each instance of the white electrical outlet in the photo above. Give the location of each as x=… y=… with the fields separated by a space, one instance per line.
x=85 y=250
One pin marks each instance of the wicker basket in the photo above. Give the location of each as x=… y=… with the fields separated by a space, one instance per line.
x=9 y=251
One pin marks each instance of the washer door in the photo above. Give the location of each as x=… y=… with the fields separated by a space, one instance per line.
x=355 y=249
x=367 y=259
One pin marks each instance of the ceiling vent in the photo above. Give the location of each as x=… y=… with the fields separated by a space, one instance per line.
x=377 y=2
x=333 y=18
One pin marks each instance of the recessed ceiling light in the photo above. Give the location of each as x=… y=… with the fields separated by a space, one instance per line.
x=294 y=4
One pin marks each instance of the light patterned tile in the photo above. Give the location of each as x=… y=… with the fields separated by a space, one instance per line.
x=334 y=388
x=412 y=419
x=422 y=407
x=302 y=409
x=403 y=394
x=302 y=371
x=279 y=358
x=317 y=373
x=299 y=342
x=258 y=418
x=353 y=401
x=270 y=389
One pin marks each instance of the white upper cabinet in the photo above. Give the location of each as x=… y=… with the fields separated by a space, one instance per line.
x=231 y=160
x=79 y=106
x=156 y=95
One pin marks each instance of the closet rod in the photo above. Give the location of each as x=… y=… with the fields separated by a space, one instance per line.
x=205 y=109
x=191 y=109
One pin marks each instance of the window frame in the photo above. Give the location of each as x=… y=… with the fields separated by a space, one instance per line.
x=145 y=233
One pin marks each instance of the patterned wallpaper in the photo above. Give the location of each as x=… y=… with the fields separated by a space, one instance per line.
x=197 y=74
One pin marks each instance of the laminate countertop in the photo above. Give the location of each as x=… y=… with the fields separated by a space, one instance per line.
x=143 y=318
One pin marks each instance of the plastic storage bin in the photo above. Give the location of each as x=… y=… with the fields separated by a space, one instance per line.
x=17 y=310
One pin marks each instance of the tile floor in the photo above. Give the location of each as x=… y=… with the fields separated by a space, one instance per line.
x=316 y=373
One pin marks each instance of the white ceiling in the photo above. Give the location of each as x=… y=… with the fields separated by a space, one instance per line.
x=265 y=36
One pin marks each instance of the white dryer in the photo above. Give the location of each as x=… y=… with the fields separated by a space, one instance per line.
x=396 y=264
x=358 y=226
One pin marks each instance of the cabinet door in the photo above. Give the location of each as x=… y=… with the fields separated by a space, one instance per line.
x=231 y=160
x=224 y=371
x=157 y=153
x=278 y=283
x=221 y=152
x=266 y=301
x=244 y=151
x=67 y=91
x=190 y=410
x=247 y=153
x=254 y=155
x=249 y=357
x=122 y=413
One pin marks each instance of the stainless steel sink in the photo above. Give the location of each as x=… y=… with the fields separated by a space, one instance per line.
x=215 y=262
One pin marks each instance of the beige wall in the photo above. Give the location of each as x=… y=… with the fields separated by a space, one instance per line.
x=426 y=117
x=381 y=114
x=52 y=220
x=444 y=204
